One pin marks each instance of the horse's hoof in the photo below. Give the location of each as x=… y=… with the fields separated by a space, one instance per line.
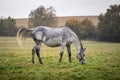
x=82 y=62
x=70 y=61
x=33 y=62
x=59 y=61
x=41 y=63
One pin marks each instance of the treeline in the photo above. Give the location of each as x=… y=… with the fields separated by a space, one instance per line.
x=109 y=24
x=108 y=28
x=7 y=27
x=46 y=17
x=84 y=29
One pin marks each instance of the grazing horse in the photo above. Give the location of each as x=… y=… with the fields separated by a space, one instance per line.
x=53 y=37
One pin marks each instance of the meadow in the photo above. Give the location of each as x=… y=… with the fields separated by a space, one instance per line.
x=102 y=62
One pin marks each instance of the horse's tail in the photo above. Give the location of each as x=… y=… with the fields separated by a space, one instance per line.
x=22 y=33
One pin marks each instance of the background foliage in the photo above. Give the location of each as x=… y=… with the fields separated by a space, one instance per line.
x=42 y=16
x=109 y=24
x=84 y=29
x=108 y=28
x=7 y=27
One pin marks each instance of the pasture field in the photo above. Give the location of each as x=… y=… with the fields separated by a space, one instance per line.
x=102 y=62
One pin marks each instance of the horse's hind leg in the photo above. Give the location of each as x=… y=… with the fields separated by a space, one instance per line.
x=69 y=53
x=38 y=53
x=36 y=50
x=33 y=52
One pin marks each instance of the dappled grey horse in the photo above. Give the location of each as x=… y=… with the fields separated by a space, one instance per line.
x=53 y=37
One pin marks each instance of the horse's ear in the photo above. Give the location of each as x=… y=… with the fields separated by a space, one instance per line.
x=84 y=49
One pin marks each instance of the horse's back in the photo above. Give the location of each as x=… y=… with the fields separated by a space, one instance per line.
x=54 y=36
x=60 y=35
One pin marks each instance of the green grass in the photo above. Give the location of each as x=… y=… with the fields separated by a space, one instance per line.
x=102 y=62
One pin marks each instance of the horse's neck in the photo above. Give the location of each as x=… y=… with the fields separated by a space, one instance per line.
x=78 y=45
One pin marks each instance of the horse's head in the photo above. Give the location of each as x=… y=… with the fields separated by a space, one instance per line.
x=81 y=56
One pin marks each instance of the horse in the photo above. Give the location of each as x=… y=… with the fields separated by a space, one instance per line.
x=53 y=37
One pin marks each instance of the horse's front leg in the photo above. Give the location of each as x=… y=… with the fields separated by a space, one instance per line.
x=61 y=52
x=69 y=53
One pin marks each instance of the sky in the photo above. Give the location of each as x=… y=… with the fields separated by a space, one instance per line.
x=22 y=8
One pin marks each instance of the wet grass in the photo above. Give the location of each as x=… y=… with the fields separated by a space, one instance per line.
x=102 y=62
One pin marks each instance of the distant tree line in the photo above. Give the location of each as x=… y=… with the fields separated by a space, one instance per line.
x=7 y=27
x=46 y=17
x=108 y=28
x=109 y=24
x=84 y=29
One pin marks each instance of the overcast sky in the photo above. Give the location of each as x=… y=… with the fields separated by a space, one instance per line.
x=22 y=8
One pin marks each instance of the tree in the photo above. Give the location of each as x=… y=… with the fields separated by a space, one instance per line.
x=7 y=27
x=74 y=25
x=87 y=30
x=109 y=24
x=84 y=29
x=7 y=22
x=42 y=16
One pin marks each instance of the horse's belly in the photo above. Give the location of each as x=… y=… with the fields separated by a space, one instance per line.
x=52 y=43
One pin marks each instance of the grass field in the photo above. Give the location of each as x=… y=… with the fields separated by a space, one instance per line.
x=102 y=62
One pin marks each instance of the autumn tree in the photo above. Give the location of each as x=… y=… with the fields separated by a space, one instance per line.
x=42 y=16
x=109 y=24
x=84 y=29
x=74 y=25
x=87 y=30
